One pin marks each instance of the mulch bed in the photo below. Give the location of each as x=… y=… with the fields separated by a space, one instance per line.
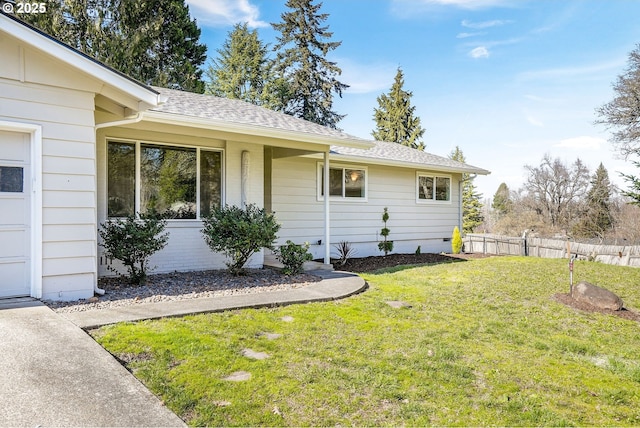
x=373 y=263
x=567 y=300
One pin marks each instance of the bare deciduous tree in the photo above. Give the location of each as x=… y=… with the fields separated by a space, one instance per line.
x=555 y=190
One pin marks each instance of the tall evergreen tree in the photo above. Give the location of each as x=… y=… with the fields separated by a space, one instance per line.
x=502 y=200
x=311 y=79
x=472 y=216
x=242 y=69
x=155 y=42
x=597 y=218
x=395 y=117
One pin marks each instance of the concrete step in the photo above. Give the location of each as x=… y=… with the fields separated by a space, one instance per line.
x=271 y=261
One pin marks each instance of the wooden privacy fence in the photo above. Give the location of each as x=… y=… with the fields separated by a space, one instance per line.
x=624 y=255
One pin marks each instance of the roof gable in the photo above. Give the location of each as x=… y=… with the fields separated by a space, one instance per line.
x=115 y=85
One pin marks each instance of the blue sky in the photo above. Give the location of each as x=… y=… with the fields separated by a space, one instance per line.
x=505 y=80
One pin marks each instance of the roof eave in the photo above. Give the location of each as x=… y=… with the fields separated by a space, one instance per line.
x=414 y=165
x=254 y=130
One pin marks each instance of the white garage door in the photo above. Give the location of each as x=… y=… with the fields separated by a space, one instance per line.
x=15 y=214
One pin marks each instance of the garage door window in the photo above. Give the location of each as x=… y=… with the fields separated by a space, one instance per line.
x=11 y=179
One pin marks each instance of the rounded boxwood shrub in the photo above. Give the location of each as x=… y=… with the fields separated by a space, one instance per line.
x=293 y=256
x=239 y=233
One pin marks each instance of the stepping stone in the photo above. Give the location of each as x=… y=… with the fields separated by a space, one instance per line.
x=250 y=353
x=222 y=403
x=398 y=304
x=287 y=318
x=271 y=336
x=238 y=376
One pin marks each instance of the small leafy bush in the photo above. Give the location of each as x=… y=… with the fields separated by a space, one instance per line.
x=456 y=241
x=132 y=240
x=345 y=251
x=293 y=256
x=239 y=233
x=386 y=246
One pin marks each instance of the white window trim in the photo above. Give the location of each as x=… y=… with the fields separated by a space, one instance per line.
x=434 y=176
x=320 y=196
x=138 y=144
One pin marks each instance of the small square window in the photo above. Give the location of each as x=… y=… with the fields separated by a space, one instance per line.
x=433 y=188
x=11 y=179
x=344 y=182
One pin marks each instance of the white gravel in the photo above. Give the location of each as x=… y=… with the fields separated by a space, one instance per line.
x=184 y=285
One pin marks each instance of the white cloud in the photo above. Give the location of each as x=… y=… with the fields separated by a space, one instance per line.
x=219 y=13
x=570 y=72
x=465 y=4
x=467 y=35
x=366 y=78
x=533 y=120
x=484 y=24
x=479 y=52
x=581 y=143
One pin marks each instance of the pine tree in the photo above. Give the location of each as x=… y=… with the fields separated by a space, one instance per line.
x=472 y=215
x=311 y=79
x=155 y=42
x=597 y=218
x=242 y=70
x=395 y=117
x=502 y=200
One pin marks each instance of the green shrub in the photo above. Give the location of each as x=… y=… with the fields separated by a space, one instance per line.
x=132 y=241
x=386 y=246
x=293 y=256
x=456 y=241
x=239 y=233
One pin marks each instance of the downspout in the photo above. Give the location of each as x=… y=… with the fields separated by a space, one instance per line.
x=327 y=223
x=126 y=121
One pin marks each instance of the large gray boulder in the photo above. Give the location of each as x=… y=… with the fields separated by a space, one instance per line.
x=596 y=296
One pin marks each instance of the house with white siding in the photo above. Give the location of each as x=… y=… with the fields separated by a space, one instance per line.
x=81 y=143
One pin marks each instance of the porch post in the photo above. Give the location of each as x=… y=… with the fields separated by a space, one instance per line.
x=327 y=234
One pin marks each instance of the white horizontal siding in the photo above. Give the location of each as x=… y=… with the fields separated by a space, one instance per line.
x=68 y=178
x=297 y=208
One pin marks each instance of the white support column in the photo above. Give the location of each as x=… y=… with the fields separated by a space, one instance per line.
x=327 y=233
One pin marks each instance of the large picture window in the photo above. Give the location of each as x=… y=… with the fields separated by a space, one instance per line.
x=433 y=188
x=177 y=182
x=344 y=182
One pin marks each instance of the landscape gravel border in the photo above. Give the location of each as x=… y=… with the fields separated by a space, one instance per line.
x=183 y=286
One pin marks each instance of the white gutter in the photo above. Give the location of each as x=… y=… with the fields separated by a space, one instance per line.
x=126 y=121
x=403 y=164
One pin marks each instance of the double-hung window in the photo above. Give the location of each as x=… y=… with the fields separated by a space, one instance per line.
x=177 y=182
x=433 y=188
x=344 y=182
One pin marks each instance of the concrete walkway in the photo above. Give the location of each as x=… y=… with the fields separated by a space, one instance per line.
x=334 y=285
x=52 y=373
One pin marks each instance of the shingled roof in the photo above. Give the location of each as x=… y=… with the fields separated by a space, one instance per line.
x=208 y=107
x=399 y=155
x=244 y=113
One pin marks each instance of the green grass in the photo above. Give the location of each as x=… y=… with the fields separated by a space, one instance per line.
x=483 y=343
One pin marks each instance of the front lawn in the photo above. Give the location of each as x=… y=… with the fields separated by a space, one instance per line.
x=481 y=342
